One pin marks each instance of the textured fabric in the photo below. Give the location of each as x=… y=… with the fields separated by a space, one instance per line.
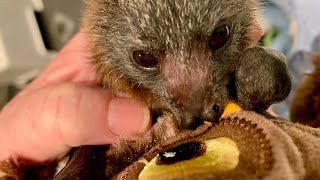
x=269 y=149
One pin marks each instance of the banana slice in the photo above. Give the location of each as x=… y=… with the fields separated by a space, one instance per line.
x=230 y=108
x=221 y=154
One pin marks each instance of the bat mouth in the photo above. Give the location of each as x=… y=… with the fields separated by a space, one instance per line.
x=211 y=116
x=155 y=115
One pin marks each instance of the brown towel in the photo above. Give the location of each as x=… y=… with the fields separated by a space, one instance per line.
x=268 y=150
x=251 y=147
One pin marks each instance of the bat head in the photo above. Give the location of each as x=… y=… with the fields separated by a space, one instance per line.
x=177 y=56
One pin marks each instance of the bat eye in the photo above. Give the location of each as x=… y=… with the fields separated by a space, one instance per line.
x=145 y=59
x=219 y=37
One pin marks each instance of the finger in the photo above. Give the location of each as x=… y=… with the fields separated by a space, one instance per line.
x=72 y=64
x=49 y=122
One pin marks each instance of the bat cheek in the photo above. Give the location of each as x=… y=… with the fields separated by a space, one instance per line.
x=255 y=35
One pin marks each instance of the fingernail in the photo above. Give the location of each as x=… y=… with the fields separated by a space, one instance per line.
x=127 y=117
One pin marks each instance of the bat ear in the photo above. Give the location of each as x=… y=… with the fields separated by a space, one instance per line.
x=262 y=78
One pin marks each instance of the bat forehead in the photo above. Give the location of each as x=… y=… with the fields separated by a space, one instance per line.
x=118 y=27
x=182 y=75
x=173 y=24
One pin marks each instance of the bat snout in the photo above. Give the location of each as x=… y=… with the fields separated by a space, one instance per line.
x=195 y=94
x=193 y=119
x=191 y=122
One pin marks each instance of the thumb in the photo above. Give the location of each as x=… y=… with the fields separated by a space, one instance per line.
x=92 y=115
x=51 y=120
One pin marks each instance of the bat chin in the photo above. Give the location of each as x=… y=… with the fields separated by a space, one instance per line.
x=191 y=121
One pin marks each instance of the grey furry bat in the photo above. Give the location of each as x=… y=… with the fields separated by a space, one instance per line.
x=183 y=58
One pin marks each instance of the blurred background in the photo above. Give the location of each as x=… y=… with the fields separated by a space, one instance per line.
x=32 y=31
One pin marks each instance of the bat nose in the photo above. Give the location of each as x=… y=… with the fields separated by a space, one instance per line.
x=192 y=121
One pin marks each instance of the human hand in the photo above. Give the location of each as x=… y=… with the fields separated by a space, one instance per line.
x=64 y=108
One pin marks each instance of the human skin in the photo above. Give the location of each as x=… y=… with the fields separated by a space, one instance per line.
x=65 y=107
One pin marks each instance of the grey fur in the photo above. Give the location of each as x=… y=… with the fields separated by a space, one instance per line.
x=191 y=78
